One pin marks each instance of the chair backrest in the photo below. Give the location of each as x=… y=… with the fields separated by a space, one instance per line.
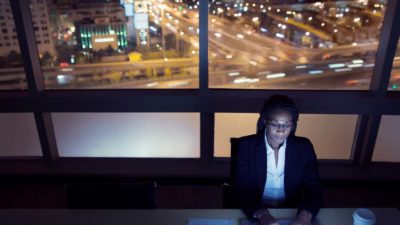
x=111 y=195
x=234 y=146
x=228 y=200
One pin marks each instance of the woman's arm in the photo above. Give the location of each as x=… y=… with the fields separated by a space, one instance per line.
x=312 y=190
x=243 y=193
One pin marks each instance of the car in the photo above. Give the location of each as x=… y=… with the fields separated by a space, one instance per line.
x=64 y=64
x=241 y=36
x=358 y=82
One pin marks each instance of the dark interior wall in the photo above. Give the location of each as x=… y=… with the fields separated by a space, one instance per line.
x=189 y=195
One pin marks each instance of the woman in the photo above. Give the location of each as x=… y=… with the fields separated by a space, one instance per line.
x=274 y=168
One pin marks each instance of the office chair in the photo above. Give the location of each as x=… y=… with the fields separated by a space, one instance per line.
x=227 y=196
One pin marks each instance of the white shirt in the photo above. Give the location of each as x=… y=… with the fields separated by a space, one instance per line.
x=274 y=189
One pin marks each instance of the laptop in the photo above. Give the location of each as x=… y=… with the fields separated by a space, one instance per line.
x=280 y=221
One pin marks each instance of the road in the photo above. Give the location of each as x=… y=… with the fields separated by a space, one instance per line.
x=239 y=57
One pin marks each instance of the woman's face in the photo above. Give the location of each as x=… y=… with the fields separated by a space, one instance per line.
x=278 y=126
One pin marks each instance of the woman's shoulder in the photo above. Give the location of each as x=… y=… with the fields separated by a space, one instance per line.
x=247 y=138
x=299 y=140
x=247 y=141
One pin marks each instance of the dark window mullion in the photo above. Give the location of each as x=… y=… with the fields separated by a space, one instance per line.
x=203 y=49
x=47 y=137
x=34 y=75
x=386 y=49
x=364 y=142
x=28 y=47
x=207 y=121
x=206 y=118
x=368 y=124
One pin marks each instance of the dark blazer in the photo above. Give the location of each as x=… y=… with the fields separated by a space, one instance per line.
x=248 y=174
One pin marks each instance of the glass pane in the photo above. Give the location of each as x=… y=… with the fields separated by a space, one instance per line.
x=12 y=74
x=394 y=84
x=387 y=142
x=268 y=45
x=18 y=135
x=147 y=135
x=116 y=44
x=232 y=125
x=331 y=135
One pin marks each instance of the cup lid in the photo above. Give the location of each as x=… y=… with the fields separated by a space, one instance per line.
x=364 y=215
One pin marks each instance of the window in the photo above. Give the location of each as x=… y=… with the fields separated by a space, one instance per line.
x=301 y=46
x=165 y=36
x=103 y=123
x=387 y=142
x=18 y=135
x=151 y=135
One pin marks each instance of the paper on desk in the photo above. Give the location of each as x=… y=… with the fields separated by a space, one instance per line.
x=205 y=221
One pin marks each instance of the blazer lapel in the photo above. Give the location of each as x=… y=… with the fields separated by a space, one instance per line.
x=261 y=162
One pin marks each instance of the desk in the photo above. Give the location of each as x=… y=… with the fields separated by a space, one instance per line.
x=342 y=216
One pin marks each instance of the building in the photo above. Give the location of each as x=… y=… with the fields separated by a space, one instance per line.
x=100 y=22
x=41 y=26
x=100 y=33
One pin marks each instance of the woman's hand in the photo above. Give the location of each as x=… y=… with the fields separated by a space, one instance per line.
x=304 y=218
x=265 y=218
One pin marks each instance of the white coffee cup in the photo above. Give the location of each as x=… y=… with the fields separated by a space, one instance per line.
x=363 y=216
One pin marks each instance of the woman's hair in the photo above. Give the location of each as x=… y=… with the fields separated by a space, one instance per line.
x=274 y=103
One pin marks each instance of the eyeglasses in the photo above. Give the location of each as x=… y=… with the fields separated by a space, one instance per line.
x=276 y=126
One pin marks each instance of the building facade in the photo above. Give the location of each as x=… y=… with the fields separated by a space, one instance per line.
x=100 y=22
x=41 y=26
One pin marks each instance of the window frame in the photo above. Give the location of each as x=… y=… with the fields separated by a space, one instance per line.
x=370 y=105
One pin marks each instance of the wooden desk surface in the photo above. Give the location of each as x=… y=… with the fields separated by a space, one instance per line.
x=327 y=216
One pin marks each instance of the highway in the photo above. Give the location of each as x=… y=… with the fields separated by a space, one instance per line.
x=239 y=57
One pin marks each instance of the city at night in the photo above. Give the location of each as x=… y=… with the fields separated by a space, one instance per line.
x=252 y=44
